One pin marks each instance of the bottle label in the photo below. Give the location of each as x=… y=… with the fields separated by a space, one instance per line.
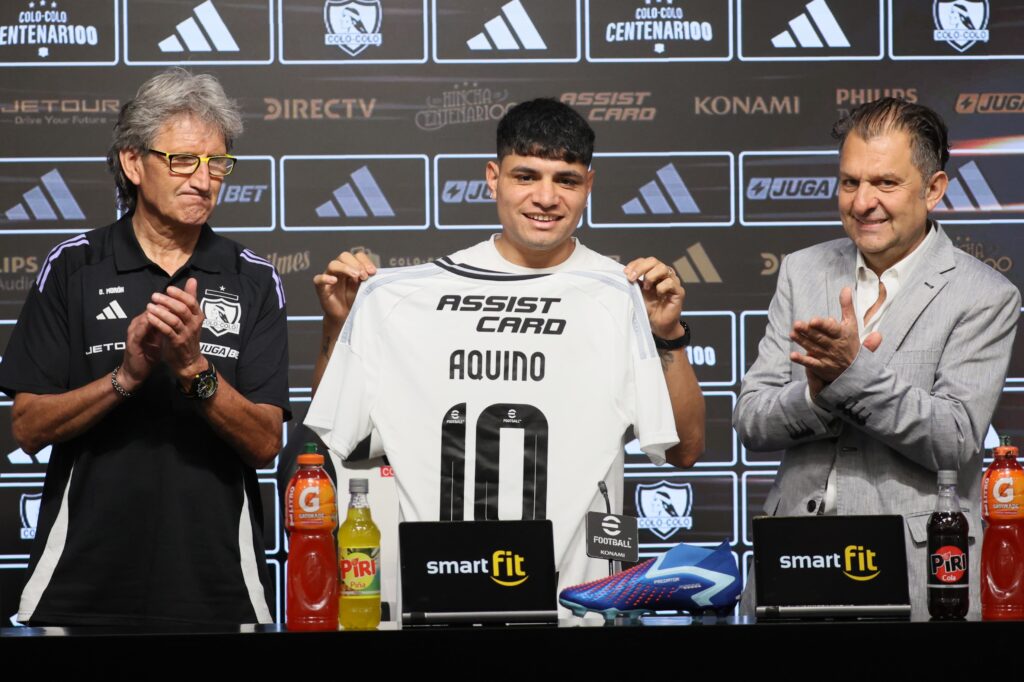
x=311 y=505
x=360 y=575
x=947 y=564
x=1002 y=494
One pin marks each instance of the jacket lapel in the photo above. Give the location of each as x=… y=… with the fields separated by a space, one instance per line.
x=840 y=273
x=927 y=280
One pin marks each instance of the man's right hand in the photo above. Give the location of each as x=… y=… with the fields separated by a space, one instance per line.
x=337 y=285
x=141 y=353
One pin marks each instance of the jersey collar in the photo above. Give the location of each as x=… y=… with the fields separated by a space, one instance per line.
x=128 y=254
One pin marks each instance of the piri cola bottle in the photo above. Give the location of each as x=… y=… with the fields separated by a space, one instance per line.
x=948 y=594
x=311 y=518
x=359 y=562
x=1002 y=552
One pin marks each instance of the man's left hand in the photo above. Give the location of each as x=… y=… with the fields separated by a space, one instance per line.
x=177 y=315
x=663 y=295
x=831 y=346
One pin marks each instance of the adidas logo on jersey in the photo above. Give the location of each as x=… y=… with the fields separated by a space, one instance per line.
x=355 y=205
x=654 y=199
x=802 y=29
x=42 y=207
x=112 y=311
x=511 y=30
x=199 y=32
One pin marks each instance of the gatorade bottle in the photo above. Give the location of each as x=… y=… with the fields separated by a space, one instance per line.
x=948 y=596
x=1002 y=553
x=359 y=561
x=311 y=519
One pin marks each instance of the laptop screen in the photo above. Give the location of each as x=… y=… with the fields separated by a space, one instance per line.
x=830 y=561
x=477 y=571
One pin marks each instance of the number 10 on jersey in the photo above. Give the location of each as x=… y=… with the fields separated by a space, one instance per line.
x=499 y=416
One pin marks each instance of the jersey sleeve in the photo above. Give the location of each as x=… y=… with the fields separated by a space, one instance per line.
x=340 y=412
x=262 y=373
x=37 y=355
x=648 y=402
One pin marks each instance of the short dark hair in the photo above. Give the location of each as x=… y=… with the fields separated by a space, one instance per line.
x=548 y=129
x=929 y=137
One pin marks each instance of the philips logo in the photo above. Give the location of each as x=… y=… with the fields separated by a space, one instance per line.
x=205 y=32
x=504 y=567
x=786 y=188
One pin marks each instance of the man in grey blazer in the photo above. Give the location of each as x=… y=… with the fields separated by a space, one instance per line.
x=885 y=353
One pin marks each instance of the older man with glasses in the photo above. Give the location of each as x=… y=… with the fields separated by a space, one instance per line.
x=152 y=354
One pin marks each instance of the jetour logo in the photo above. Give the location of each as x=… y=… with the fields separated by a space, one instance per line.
x=857 y=562
x=504 y=567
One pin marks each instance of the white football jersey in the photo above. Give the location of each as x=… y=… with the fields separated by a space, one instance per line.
x=498 y=396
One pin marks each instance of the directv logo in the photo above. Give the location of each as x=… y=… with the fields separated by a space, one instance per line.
x=801 y=29
x=653 y=195
x=41 y=207
x=500 y=33
x=466 y=192
x=192 y=32
x=792 y=188
x=970 y=180
x=345 y=196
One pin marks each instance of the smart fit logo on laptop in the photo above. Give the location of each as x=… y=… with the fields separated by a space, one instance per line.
x=504 y=567
x=858 y=562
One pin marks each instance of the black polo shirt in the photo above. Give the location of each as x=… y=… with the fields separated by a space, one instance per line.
x=149 y=516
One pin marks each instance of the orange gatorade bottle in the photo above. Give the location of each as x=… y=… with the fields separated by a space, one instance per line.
x=1002 y=553
x=359 y=562
x=311 y=519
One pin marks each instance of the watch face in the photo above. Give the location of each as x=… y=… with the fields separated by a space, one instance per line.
x=205 y=384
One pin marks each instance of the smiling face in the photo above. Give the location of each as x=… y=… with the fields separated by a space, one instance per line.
x=174 y=199
x=540 y=202
x=883 y=200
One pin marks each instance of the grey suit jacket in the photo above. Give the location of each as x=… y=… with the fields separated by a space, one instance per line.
x=922 y=402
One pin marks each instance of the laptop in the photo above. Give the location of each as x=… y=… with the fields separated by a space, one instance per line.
x=831 y=567
x=477 y=572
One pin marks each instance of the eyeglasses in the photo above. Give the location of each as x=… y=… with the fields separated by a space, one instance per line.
x=187 y=164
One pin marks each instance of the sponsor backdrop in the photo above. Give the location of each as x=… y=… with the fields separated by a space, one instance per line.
x=368 y=124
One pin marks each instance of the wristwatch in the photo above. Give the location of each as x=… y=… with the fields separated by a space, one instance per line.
x=674 y=344
x=204 y=385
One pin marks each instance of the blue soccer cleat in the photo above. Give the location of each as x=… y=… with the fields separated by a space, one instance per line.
x=686 y=578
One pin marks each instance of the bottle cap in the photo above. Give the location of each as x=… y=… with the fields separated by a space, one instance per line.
x=309 y=448
x=313 y=459
x=358 y=485
x=948 y=477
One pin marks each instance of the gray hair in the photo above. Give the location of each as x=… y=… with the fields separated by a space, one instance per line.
x=175 y=92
